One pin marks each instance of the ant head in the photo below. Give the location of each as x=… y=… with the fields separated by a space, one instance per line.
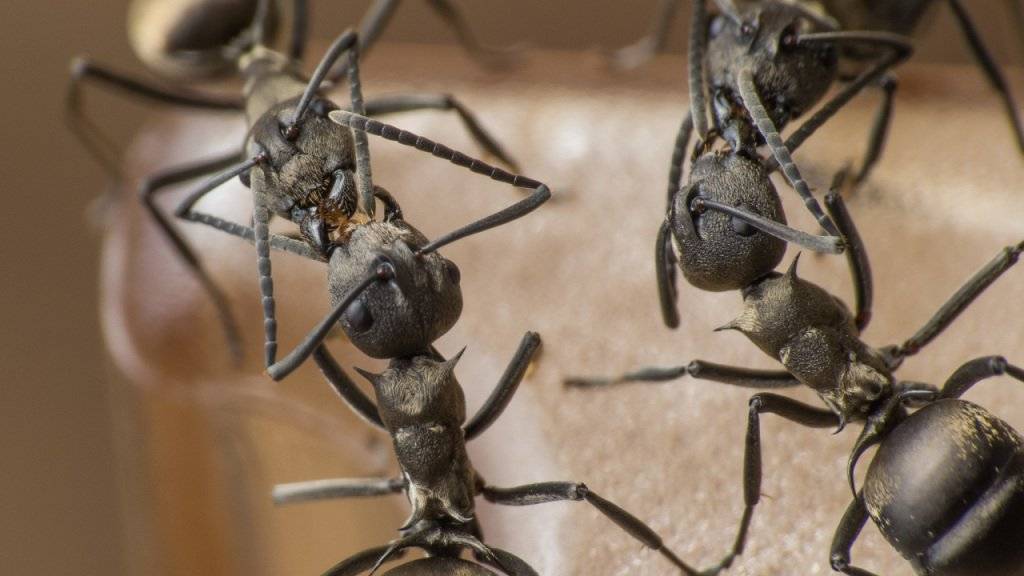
x=404 y=315
x=764 y=37
x=716 y=251
x=193 y=38
x=309 y=180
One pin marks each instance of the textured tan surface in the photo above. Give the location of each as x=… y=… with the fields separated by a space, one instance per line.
x=945 y=198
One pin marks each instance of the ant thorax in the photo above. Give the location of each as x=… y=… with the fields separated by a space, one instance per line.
x=423 y=408
x=812 y=333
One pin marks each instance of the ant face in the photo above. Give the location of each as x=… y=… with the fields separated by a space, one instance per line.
x=309 y=180
x=191 y=38
x=790 y=76
x=403 y=316
x=716 y=251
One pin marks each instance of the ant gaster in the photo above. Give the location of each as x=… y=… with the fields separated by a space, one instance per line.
x=300 y=165
x=960 y=517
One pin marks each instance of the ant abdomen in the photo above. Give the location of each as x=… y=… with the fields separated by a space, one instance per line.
x=193 y=38
x=946 y=489
x=716 y=251
x=403 y=316
x=440 y=566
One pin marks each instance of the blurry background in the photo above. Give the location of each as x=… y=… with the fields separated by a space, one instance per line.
x=61 y=510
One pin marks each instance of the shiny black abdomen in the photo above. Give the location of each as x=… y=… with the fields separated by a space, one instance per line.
x=946 y=489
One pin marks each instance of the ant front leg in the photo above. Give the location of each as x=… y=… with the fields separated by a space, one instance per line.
x=731 y=375
x=506 y=388
x=988 y=65
x=789 y=409
x=974 y=371
x=99 y=147
x=853 y=522
x=856 y=253
x=337 y=488
x=568 y=491
x=957 y=303
x=359 y=402
x=147 y=193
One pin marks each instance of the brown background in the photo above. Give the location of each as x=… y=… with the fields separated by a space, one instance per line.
x=60 y=510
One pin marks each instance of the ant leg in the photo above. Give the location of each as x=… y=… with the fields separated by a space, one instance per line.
x=359 y=402
x=977 y=370
x=82 y=69
x=445 y=102
x=879 y=128
x=853 y=521
x=507 y=562
x=856 y=253
x=675 y=170
x=732 y=375
x=665 y=272
x=98 y=145
x=161 y=181
x=789 y=409
x=562 y=491
x=363 y=561
x=949 y=311
x=641 y=51
x=988 y=65
x=831 y=244
x=541 y=193
x=900 y=48
x=752 y=102
x=695 y=76
x=336 y=488
x=506 y=388
x=487 y=56
x=300 y=30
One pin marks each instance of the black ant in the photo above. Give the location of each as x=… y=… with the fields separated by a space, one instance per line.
x=789 y=53
x=300 y=165
x=393 y=295
x=959 y=515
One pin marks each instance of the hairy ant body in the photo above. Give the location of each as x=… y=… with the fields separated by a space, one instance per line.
x=393 y=295
x=961 y=517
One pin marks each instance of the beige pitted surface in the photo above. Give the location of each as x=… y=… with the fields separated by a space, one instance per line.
x=945 y=198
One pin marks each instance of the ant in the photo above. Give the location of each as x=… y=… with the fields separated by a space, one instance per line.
x=785 y=54
x=300 y=165
x=963 y=509
x=393 y=295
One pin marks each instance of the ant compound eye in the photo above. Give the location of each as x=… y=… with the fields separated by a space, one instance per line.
x=358 y=316
x=741 y=226
x=454 y=275
x=747 y=30
x=716 y=26
x=789 y=37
